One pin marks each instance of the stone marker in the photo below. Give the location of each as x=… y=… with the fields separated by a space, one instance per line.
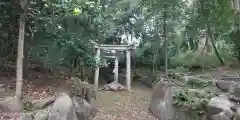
x=62 y=108
x=161 y=102
x=83 y=109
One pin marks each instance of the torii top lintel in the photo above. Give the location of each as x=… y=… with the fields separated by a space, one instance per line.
x=114 y=47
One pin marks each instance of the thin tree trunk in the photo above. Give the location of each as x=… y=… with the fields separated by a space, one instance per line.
x=165 y=42
x=20 y=56
x=205 y=43
x=214 y=46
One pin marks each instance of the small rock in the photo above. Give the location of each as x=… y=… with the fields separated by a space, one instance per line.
x=234 y=89
x=42 y=114
x=11 y=104
x=40 y=104
x=62 y=108
x=26 y=116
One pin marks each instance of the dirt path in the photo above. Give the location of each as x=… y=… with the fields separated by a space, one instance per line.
x=125 y=105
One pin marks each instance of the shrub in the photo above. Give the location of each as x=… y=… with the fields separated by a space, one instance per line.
x=205 y=60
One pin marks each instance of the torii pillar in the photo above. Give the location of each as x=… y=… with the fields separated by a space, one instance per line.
x=128 y=71
x=97 y=70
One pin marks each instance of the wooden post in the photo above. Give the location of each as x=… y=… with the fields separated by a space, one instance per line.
x=116 y=70
x=128 y=71
x=97 y=70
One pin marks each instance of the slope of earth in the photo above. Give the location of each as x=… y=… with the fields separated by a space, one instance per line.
x=125 y=105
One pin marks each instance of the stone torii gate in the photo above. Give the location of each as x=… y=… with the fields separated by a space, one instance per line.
x=117 y=48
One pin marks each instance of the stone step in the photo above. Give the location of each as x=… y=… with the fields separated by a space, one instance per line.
x=2 y=88
x=225 y=84
x=230 y=78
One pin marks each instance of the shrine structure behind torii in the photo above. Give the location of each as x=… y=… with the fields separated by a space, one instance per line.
x=117 y=48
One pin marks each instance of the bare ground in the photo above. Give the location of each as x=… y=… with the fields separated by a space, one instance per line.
x=124 y=105
x=113 y=105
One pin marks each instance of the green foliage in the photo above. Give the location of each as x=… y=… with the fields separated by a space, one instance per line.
x=205 y=60
x=193 y=100
x=194 y=96
x=198 y=83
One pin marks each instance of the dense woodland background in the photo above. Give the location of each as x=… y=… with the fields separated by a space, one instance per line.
x=58 y=35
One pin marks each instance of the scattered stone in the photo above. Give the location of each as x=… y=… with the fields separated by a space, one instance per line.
x=43 y=103
x=11 y=104
x=114 y=86
x=10 y=116
x=62 y=108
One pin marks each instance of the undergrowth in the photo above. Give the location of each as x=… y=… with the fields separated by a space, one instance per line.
x=194 y=97
x=206 y=60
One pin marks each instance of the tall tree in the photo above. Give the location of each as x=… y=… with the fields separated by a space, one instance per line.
x=165 y=40
x=20 y=56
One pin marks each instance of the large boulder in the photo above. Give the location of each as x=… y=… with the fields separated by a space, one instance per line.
x=225 y=82
x=223 y=85
x=220 y=116
x=219 y=107
x=62 y=108
x=161 y=102
x=11 y=104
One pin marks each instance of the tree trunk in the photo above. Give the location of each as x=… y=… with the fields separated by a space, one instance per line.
x=19 y=73
x=165 y=42
x=214 y=47
x=205 y=43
